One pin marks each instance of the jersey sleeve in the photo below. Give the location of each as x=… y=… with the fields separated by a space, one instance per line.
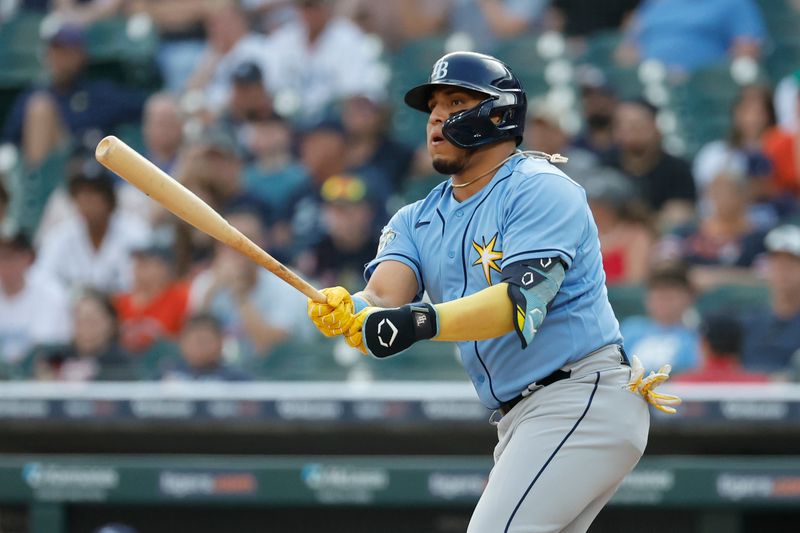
x=397 y=244
x=546 y=215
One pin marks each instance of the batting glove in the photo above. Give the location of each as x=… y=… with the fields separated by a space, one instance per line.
x=645 y=385
x=336 y=315
x=386 y=332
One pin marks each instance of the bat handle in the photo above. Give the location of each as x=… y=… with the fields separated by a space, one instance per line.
x=312 y=293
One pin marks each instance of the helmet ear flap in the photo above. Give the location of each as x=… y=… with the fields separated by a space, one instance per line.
x=474 y=127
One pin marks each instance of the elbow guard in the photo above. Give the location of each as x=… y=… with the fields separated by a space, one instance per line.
x=532 y=285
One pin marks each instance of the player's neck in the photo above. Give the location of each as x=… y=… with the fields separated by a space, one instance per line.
x=484 y=160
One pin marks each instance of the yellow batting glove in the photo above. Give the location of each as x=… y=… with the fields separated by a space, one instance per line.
x=336 y=315
x=354 y=336
x=646 y=385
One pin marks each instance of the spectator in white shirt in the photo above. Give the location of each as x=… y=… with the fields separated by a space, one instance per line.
x=33 y=309
x=320 y=59
x=230 y=43
x=93 y=248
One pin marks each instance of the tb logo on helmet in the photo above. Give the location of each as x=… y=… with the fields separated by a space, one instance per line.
x=439 y=70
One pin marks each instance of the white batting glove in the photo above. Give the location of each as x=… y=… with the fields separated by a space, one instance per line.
x=645 y=385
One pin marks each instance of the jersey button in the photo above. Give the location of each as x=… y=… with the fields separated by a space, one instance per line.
x=451 y=254
x=481 y=379
x=459 y=213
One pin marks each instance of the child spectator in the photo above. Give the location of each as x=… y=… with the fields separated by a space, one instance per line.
x=200 y=347
x=720 y=351
x=772 y=335
x=668 y=334
x=156 y=305
x=33 y=309
x=94 y=353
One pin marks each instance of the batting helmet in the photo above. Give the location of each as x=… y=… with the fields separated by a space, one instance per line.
x=485 y=74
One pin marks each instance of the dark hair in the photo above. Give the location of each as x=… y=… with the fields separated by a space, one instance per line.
x=203 y=320
x=764 y=93
x=722 y=333
x=673 y=274
x=651 y=109
x=105 y=302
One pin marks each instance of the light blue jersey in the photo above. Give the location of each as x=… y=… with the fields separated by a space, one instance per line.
x=529 y=210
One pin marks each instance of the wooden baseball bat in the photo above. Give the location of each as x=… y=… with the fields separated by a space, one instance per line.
x=120 y=158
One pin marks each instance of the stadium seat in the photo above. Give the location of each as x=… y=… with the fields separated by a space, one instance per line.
x=733 y=299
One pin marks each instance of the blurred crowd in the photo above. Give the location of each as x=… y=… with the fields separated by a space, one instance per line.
x=279 y=114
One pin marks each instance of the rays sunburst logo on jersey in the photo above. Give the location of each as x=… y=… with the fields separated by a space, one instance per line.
x=487 y=257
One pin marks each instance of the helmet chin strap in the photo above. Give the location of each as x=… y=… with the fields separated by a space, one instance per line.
x=551 y=158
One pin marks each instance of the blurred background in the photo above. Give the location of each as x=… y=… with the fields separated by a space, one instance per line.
x=156 y=381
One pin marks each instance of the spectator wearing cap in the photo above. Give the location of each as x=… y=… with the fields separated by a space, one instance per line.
x=720 y=354
x=366 y=121
x=249 y=101
x=758 y=149
x=94 y=353
x=33 y=309
x=156 y=305
x=668 y=333
x=92 y=248
x=598 y=104
x=70 y=105
x=662 y=180
x=624 y=226
x=318 y=59
x=257 y=310
x=201 y=357
x=686 y=35
x=772 y=335
x=229 y=44
x=350 y=239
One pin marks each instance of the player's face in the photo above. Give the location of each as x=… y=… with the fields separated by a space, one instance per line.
x=447 y=158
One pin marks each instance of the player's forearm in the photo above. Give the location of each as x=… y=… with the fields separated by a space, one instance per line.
x=483 y=315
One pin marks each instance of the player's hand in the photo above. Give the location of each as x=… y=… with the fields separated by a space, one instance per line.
x=646 y=385
x=336 y=315
x=354 y=335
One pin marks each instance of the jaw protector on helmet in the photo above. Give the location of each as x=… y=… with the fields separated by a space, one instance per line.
x=474 y=127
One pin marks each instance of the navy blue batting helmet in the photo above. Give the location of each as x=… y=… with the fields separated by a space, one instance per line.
x=485 y=74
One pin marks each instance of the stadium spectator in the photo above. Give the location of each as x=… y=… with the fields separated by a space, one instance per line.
x=662 y=180
x=162 y=131
x=181 y=37
x=350 y=238
x=624 y=228
x=544 y=132
x=686 y=35
x=724 y=243
x=201 y=359
x=274 y=175
x=720 y=349
x=156 y=305
x=581 y=18
x=754 y=149
x=43 y=118
x=772 y=336
x=668 y=334
x=97 y=240
x=598 y=103
x=94 y=353
x=248 y=102
x=257 y=310
x=324 y=58
x=33 y=309
x=230 y=43
x=486 y=22
x=370 y=147
x=5 y=199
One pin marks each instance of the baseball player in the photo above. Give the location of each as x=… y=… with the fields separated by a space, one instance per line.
x=507 y=252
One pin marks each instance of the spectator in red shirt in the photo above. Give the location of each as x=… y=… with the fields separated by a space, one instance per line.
x=720 y=348
x=156 y=305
